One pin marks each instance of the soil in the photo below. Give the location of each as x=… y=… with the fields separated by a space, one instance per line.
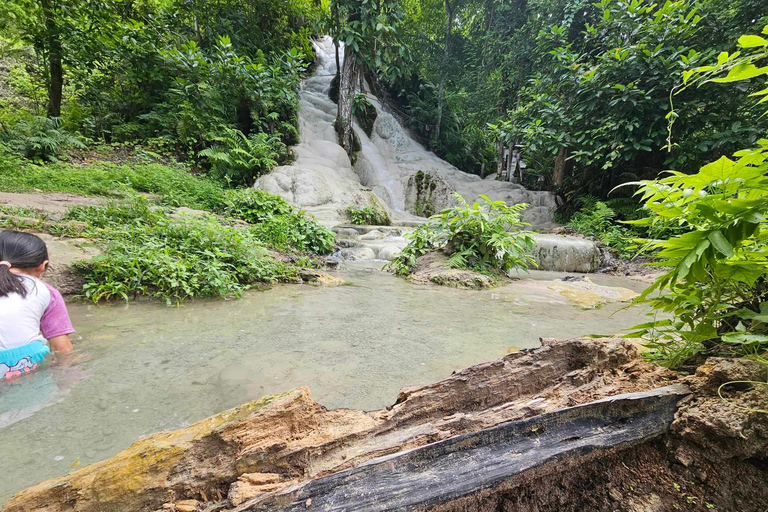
x=55 y=203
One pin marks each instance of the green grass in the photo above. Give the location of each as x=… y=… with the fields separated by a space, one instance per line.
x=172 y=183
x=149 y=253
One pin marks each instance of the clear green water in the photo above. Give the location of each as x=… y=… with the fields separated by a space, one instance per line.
x=151 y=367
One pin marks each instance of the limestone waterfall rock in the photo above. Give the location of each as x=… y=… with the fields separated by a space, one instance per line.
x=323 y=181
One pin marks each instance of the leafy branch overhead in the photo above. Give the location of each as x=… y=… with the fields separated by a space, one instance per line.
x=717 y=287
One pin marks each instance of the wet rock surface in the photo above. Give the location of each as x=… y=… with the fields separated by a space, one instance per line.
x=432 y=269
x=267 y=445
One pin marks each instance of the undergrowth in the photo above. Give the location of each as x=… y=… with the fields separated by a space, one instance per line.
x=367 y=215
x=485 y=237
x=148 y=253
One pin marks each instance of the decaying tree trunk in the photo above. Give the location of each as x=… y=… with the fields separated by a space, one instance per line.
x=443 y=62
x=55 y=69
x=349 y=80
x=563 y=166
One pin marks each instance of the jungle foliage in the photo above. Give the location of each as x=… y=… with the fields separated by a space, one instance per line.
x=584 y=86
x=178 y=75
x=716 y=290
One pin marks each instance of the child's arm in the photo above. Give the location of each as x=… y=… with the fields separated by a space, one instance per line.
x=60 y=344
x=55 y=323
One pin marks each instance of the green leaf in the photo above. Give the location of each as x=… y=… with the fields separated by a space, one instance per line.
x=720 y=243
x=752 y=41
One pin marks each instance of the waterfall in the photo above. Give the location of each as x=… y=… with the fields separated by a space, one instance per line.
x=392 y=169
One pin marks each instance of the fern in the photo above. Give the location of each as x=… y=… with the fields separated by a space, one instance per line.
x=239 y=159
x=41 y=138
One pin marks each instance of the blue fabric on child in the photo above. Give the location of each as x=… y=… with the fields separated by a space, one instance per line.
x=15 y=362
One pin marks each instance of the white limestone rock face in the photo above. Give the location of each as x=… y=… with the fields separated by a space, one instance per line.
x=566 y=253
x=323 y=181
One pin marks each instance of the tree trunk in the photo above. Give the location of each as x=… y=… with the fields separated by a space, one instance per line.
x=347 y=88
x=511 y=163
x=562 y=166
x=443 y=62
x=53 y=42
x=500 y=158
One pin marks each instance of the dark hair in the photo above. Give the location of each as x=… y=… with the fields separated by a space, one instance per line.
x=21 y=250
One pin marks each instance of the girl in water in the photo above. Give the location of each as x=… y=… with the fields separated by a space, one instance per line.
x=33 y=317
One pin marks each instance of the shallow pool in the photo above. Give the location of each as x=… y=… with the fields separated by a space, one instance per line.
x=150 y=367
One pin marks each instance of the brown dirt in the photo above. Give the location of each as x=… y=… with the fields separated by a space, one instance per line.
x=51 y=203
x=715 y=453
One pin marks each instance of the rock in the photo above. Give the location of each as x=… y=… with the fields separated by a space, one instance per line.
x=53 y=203
x=583 y=292
x=320 y=278
x=63 y=252
x=372 y=235
x=431 y=269
x=358 y=253
x=566 y=253
x=324 y=181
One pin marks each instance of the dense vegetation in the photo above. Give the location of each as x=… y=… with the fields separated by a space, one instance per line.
x=224 y=245
x=716 y=288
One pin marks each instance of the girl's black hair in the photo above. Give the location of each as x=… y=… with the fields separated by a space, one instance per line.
x=21 y=250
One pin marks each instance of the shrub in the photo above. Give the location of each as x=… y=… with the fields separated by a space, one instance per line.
x=295 y=231
x=717 y=285
x=238 y=160
x=367 y=215
x=40 y=138
x=485 y=237
x=597 y=220
x=149 y=254
x=253 y=205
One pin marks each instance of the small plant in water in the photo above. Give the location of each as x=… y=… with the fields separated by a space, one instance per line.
x=367 y=215
x=486 y=237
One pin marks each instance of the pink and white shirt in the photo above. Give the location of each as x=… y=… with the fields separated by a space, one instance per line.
x=39 y=316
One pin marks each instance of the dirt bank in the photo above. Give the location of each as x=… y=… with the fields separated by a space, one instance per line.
x=714 y=454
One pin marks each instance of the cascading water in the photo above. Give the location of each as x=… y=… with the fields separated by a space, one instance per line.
x=323 y=181
x=394 y=172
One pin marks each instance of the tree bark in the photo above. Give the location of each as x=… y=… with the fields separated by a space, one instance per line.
x=499 y=158
x=443 y=62
x=347 y=88
x=55 y=69
x=562 y=166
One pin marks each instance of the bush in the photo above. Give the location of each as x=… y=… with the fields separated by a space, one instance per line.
x=483 y=237
x=596 y=220
x=295 y=231
x=40 y=139
x=367 y=215
x=149 y=254
x=254 y=206
x=238 y=160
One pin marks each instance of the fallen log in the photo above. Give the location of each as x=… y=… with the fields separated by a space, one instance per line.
x=447 y=470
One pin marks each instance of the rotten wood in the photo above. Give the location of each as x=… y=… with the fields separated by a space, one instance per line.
x=447 y=470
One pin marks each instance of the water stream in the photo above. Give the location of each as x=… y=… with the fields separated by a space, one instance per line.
x=151 y=367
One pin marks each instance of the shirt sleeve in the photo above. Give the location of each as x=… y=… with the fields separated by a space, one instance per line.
x=55 y=320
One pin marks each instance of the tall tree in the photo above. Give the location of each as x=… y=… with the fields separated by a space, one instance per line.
x=443 y=62
x=371 y=47
x=54 y=50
